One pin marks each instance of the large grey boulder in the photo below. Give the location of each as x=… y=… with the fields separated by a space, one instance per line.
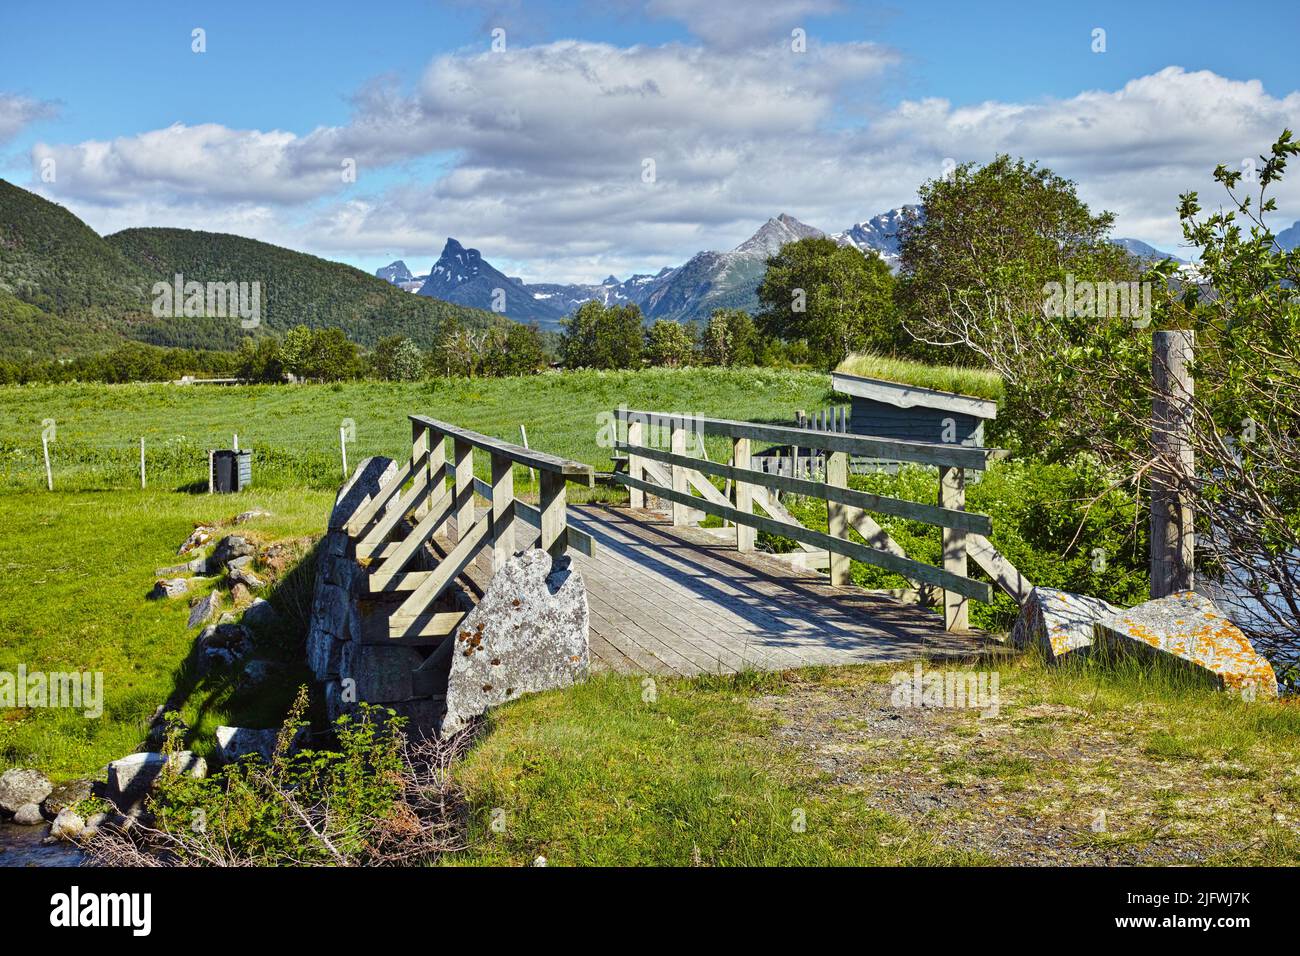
x=1059 y=623
x=260 y=614
x=19 y=787
x=528 y=633
x=1188 y=630
x=132 y=777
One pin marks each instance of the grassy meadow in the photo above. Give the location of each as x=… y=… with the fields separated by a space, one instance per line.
x=294 y=429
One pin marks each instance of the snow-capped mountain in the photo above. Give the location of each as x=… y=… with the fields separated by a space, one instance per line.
x=463 y=276
x=880 y=233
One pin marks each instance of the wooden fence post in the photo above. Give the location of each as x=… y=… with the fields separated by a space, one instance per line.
x=523 y=433
x=49 y=474
x=1173 y=531
x=503 y=510
x=744 y=494
x=463 y=503
x=681 y=513
x=555 y=538
x=952 y=494
x=837 y=520
x=141 y=462
x=343 y=448
x=636 y=497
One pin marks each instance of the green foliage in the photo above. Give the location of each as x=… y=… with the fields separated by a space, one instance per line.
x=730 y=338
x=965 y=380
x=312 y=807
x=514 y=349
x=1061 y=526
x=669 y=344
x=397 y=359
x=832 y=296
x=604 y=337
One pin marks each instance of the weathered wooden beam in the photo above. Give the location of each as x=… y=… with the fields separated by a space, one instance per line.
x=1173 y=529
x=573 y=470
x=679 y=479
x=416 y=498
x=448 y=569
x=1004 y=574
x=743 y=492
x=463 y=503
x=890 y=562
x=636 y=497
x=926 y=453
x=837 y=476
x=952 y=494
x=578 y=540
x=396 y=554
x=897 y=507
x=503 y=510
x=553 y=503
x=363 y=515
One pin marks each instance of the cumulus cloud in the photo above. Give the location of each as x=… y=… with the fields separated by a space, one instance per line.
x=17 y=112
x=540 y=154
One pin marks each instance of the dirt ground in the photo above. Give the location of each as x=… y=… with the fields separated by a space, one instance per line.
x=1039 y=783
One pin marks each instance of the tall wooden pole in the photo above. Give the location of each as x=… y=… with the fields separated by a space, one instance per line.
x=1173 y=532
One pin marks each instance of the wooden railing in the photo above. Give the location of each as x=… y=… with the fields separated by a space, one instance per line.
x=419 y=497
x=684 y=483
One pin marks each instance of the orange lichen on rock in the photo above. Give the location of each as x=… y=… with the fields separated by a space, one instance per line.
x=1213 y=643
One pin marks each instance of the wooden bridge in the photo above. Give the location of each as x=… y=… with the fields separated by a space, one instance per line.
x=666 y=595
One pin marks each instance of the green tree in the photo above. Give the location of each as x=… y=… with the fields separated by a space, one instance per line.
x=397 y=359
x=599 y=336
x=833 y=296
x=331 y=356
x=295 y=350
x=259 y=360
x=514 y=349
x=730 y=338
x=669 y=344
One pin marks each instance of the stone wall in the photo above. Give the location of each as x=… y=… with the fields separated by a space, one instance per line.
x=529 y=632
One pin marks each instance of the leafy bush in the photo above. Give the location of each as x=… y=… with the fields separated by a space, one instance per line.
x=1062 y=526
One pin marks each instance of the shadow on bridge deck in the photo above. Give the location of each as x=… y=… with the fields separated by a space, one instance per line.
x=682 y=601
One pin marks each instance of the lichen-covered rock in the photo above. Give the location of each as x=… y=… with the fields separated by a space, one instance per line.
x=29 y=815
x=68 y=825
x=230 y=547
x=1188 y=628
x=66 y=795
x=528 y=633
x=1059 y=622
x=169 y=588
x=204 y=609
x=198 y=538
x=19 y=787
x=244 y=516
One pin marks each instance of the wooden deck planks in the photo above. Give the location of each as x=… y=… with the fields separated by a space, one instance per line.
x=680 y=601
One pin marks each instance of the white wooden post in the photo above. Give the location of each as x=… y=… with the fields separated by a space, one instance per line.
x=635 y=496
x=142 y=462
x=523 y=433
x=744 y=494
x=343 y=449
x=952 y=494
x=837 y=519
x=49 y=475
x=681 y=513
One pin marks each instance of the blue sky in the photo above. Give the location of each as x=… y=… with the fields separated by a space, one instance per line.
x=536 y=154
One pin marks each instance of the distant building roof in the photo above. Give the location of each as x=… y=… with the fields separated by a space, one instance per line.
x=911 y=396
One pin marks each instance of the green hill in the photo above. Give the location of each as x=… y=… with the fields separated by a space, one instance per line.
x=66 y=291
x=296 y=288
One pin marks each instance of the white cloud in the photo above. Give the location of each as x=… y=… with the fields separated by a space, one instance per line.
x=17 y=112
x=540 y=153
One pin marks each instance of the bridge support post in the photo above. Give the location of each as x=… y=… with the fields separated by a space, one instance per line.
x=681 y=512
x=463 y=503
x=635 y=496
x=743 y=493
x=555 y=537
x=503 y=511
x=419 y=448
x=952 y=494
x=837 y=519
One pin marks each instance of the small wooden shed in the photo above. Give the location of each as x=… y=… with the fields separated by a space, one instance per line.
x=908 y=413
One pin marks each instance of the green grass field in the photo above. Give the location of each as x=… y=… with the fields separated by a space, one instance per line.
x=294 y=430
